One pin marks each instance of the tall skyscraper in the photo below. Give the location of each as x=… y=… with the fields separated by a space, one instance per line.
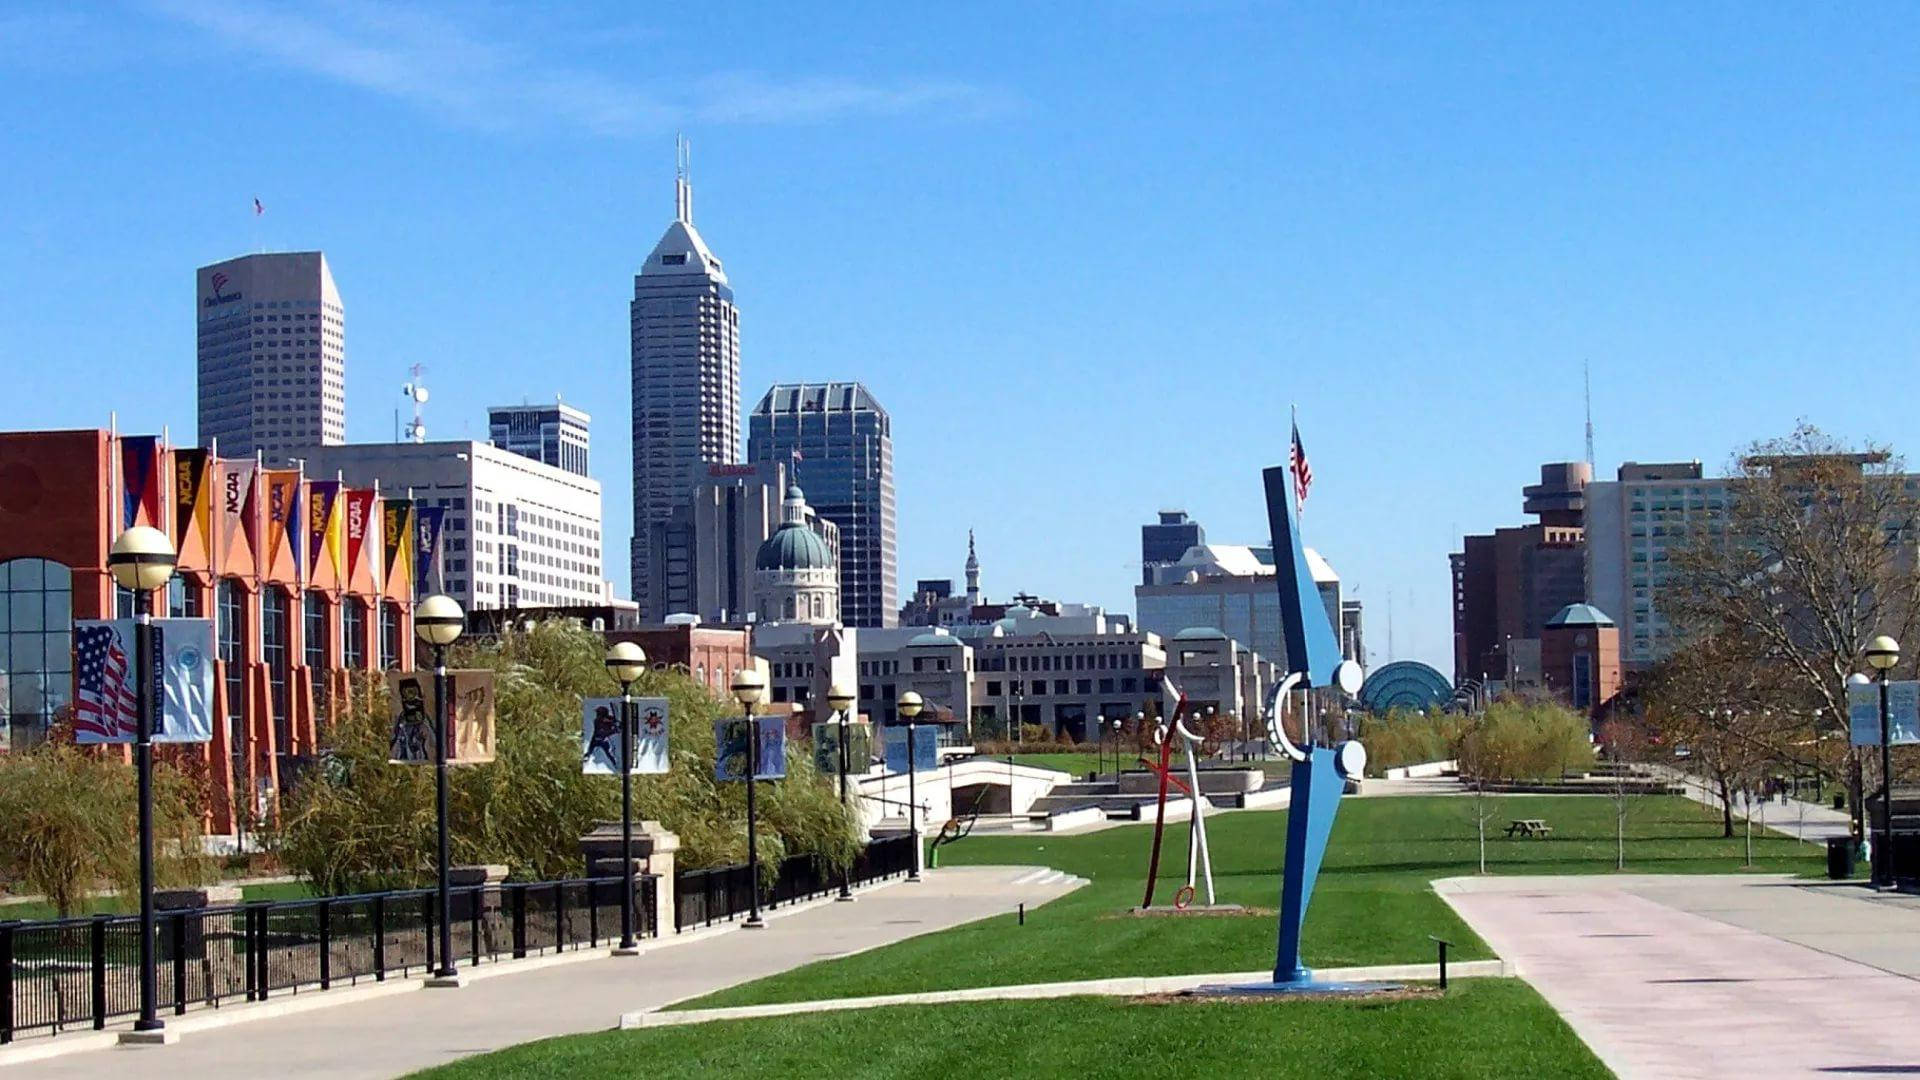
x=840 y=442
x=554 y=434
x=686 y=381
x=272 y=354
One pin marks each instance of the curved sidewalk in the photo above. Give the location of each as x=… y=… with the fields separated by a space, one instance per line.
x=1713 y=976
x=398 y=1033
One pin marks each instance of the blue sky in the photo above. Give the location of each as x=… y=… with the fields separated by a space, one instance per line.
x=1085 y=254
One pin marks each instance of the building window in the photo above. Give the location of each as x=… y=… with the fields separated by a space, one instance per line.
x=390 y=636
x=231 y=602
x=273 y=650
x=1583 y=681
x=353 y=635
x=314 y=631
x=183 y=598
x=36 y=647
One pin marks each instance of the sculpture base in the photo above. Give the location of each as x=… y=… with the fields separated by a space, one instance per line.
x=1305 y=987
x=1190 y=909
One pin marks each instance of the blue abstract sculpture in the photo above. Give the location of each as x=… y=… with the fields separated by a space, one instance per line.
x=1320 y=774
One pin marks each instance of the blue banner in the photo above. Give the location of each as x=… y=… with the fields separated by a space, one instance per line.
x=926 y=749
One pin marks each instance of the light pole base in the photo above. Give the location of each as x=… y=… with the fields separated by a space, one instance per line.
x=755 y=923
x=914 y=877
x=845 y=898
x=447 y=982
x=153 y=1037
x=626 y=950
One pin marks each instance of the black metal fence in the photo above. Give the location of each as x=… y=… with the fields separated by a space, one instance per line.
x=65 y=973
x=719 y=893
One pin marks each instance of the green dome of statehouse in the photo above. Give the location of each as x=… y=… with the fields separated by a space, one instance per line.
x=794 y=547
x=1580 y=615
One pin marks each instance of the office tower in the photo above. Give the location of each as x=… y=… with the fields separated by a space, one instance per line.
x=517 y=532
x=686 y=381
x=555 y=434
x=840 y=444
x=1508 y=583
x=1163 y=543
x=272 y=354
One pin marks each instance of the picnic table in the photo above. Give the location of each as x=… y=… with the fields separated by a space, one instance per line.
x=1529 y=827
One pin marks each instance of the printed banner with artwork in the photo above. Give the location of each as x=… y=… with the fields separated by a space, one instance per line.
x=106 y=703
x=358 y=522
x=411 y=733
x=600 y=736
x=192 y=496
x=736 y=742
x=1903 y=713
x=826 y=747
x=926 y=748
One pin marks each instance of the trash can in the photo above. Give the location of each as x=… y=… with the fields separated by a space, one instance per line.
x=1839 y=801
x=1839 y=857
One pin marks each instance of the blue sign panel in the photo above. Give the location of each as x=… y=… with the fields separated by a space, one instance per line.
x=926 y=749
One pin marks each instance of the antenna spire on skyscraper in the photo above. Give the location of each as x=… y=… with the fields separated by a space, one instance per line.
x=682 y=179
x=1586 y=378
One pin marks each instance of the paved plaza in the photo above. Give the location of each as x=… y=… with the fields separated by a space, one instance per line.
x=1712 y=976
x=399 y=1033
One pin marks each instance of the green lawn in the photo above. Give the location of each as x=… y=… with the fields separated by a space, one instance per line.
x=1482 y=1028
x=1373 y=903
x=118 y=905
x=1077 y=764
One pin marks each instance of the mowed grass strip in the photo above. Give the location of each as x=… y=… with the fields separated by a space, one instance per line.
x=1373 y=905
x=1481 y=1028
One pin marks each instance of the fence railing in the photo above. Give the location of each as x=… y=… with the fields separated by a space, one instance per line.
x=720 y=893
x=63 y=973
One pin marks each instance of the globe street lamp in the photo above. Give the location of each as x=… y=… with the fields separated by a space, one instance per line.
x=909 y=706
x=840 y=698
x=748 y=686
x=438 y=620
x=625 y=662
x=1883 y=653
x=1119 y=722
x=141 y=561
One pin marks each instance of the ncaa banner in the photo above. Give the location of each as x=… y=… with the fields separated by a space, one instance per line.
x=191 y=497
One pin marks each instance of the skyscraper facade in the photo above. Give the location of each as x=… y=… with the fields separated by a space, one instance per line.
x=272 y=354
x=840 y=443
x=553 y=434
x=686 y=382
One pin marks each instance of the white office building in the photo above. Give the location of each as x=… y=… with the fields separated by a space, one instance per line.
x=686 y=384
x=1233 y=588
x=518 y=532
x=272 y=354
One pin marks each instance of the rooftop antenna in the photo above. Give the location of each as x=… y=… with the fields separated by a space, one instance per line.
x=682 y=179
x=1586 y=378
x=416 y=391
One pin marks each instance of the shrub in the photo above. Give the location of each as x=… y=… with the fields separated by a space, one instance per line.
x=72 y=821
x=358 y=822
x=1525 y=740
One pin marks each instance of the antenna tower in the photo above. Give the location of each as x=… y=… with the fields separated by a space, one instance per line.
x=1586 y=378
x=416 y=391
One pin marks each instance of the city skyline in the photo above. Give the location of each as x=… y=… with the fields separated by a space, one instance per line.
x=1394 y=261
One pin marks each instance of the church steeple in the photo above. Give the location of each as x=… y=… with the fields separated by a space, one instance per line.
x=973 y=573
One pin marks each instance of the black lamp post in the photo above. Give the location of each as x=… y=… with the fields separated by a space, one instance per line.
x=841 y=700
x=909 y=707
x=748 y=686
x=141 y=561
x=625 y=662
x=438 y=620
x=1883 y=653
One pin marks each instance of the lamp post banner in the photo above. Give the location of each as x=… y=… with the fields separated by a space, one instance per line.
x=105 y=702
x=600 y=736
x=826 y=747
x=413 y=707
x=733 y=741
x=926 y=748
x=1903 y=708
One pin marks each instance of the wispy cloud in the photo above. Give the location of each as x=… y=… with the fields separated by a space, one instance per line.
x=448 y=67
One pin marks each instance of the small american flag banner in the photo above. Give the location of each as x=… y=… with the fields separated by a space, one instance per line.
x=1302 y=472
x=106 y=708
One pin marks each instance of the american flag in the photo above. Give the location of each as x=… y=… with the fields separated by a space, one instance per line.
x=258 y=209
x=104 y=705
x=1302 y=472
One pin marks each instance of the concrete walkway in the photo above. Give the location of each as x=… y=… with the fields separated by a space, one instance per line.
x=414 y=1029
x=1676 y=977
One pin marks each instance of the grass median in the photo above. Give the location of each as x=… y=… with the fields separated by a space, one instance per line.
x=1482 y=1028
x=1373 y=905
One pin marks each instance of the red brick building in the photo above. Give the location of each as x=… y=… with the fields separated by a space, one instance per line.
x=308 y=583
x=1580 y=657
x=708 y=654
